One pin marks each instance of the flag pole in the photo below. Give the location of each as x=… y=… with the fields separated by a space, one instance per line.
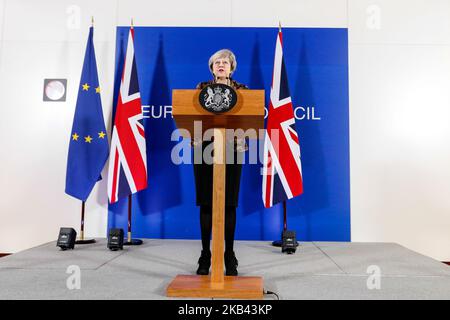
x=129 y=218
x=82 y=240
x=83 y=204
x=130 y=240
x=279 y=243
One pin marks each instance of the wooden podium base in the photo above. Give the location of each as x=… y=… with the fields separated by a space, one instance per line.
x=187 y=111
x=202 y=287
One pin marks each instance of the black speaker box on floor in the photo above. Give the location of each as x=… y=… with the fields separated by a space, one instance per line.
x=289 y=240
x=66 y=238
x=115 y=239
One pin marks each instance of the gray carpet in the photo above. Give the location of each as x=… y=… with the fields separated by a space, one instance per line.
x=317 y=270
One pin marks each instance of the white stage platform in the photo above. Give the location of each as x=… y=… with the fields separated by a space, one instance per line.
x=318 y=270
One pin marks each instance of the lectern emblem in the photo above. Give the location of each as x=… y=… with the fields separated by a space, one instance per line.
x=218 y=98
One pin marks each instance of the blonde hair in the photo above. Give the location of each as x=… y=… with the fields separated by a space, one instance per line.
x=223 y=53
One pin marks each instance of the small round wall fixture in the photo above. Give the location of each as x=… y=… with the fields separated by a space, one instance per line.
x=55 y=90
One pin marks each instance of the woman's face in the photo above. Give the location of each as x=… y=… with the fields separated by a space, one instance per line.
x=222 y=68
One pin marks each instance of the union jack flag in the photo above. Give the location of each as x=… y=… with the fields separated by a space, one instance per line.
x=128 y=160
x=282 y=171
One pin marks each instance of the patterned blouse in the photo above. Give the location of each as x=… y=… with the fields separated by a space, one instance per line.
x=234 y=84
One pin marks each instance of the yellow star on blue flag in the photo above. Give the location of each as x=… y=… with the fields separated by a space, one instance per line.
x=86 y=159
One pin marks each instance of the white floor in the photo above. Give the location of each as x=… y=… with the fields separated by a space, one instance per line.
x=316 y=271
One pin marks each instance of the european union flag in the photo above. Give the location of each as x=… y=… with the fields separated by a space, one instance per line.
x=88 y=148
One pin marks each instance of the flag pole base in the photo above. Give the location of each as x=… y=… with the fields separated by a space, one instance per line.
x=133 y=242
x=279 y=243
x=85 y=241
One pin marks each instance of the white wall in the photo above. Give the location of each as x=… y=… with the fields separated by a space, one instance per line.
x=399 y=107
x=46 y=39
x=400 y=124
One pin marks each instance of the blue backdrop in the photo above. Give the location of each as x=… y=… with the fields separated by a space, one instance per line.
x=177 y=58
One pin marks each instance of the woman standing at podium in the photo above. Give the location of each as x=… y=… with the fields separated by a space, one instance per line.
x=222 y=64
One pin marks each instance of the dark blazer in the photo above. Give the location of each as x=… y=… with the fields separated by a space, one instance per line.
x=203 y=172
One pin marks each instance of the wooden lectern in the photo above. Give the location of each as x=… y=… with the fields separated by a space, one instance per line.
x=248 y=113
